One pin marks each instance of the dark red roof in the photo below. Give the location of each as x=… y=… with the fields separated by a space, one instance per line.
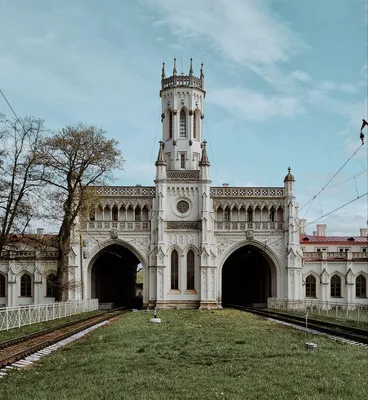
x=345 y=240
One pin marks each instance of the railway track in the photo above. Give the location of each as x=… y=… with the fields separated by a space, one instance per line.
x=350 y=333
x=21 y=347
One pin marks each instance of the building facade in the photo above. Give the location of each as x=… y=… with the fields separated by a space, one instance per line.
x=200 y=246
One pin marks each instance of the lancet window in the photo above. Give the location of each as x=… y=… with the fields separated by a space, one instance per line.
x=170 y=124
x=50 y=285
x=361 y=286
x=190 y=270
x=335 y=286
x=26 y=285
x=115 y=213
x=310 y=286
x=174 y=270
x=2 y=285
x=195 y=125
x=183 y=124
x=138 y=214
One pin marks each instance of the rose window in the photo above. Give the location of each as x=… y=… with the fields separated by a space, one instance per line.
x=182 y=206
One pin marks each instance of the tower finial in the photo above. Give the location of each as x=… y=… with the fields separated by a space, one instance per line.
x=202 y=75
x=204 y=160
x=191 y=66
x=163 y=71
x=161 y=156
x=174 y=70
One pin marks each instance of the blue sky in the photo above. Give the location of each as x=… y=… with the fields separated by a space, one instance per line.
x=286 y=85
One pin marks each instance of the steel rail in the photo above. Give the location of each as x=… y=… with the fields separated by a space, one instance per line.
x=89 y=322
x=359 y=335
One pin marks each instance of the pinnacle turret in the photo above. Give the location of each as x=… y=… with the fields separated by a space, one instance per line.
x=176 y=80
x=161 y=155
x=204 y=160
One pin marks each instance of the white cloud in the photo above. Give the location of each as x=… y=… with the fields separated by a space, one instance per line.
x=244 y=31
x=301 y=76
x=247 y=104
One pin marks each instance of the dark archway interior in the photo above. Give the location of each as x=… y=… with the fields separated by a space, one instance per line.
x=114 y=276
x=246 y=278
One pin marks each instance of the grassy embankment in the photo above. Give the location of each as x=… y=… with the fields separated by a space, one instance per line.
x=223 y=354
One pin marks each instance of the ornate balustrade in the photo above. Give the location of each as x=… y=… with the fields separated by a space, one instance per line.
x=245 y=225
x=130 y=191
x=334 y=255
x=276 y=192
x=29 y=254
x=182 y=80
x=119 y=225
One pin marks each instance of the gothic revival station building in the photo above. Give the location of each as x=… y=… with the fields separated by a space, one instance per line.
x=200 y=246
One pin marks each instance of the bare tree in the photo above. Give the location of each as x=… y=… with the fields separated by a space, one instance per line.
x=76 y=158
x=19 y=174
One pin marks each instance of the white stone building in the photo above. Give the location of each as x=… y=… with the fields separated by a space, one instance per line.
x=200 y=246
x=335 y=268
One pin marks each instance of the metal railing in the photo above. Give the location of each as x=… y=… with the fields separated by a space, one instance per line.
x=344 y=311
x=15 y=317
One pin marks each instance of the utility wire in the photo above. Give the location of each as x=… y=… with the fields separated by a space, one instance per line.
x=336 y=173
x=319 y=218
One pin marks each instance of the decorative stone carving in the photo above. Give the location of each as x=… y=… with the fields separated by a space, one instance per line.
x=183 y=175
x=182 y=238
x=249 y=234
x=183 y=225
x=182 y=206
x=114 y=234
x=223 y=243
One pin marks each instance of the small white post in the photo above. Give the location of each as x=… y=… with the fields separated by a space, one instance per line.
x=306 y=320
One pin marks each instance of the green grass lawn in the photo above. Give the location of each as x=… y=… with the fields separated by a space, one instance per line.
x=24 y=330
x=222 y=354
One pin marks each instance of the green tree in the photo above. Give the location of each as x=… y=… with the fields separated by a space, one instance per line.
x=75 y=158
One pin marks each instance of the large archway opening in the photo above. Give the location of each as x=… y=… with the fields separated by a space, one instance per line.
x=248 y=278
x=114 y=277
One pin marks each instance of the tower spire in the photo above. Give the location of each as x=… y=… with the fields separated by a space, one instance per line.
x=163 y=71
x=204 y=160
x=174 y=70
x=191 y=67
x=161 y=157
x=201 y=72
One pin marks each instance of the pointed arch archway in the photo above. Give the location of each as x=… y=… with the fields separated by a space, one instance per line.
x=249 y=275
x=112 y=272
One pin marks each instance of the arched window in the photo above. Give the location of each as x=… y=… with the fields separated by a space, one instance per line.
x=335 y=286
x=50 y=285
x=249 y=215
x=137 y=214
x=2 y=285
x=174 y=270
x=115 y=213
x=272 y=215
x=361 y=286
x=310 y=286
x=26 y=285
x=170 y=124
x=190 y=270
x=195 y=124
x=227 y=214
x=92 y=214
x=183 y=124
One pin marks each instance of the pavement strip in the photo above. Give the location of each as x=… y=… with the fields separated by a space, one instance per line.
x=48 y=350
